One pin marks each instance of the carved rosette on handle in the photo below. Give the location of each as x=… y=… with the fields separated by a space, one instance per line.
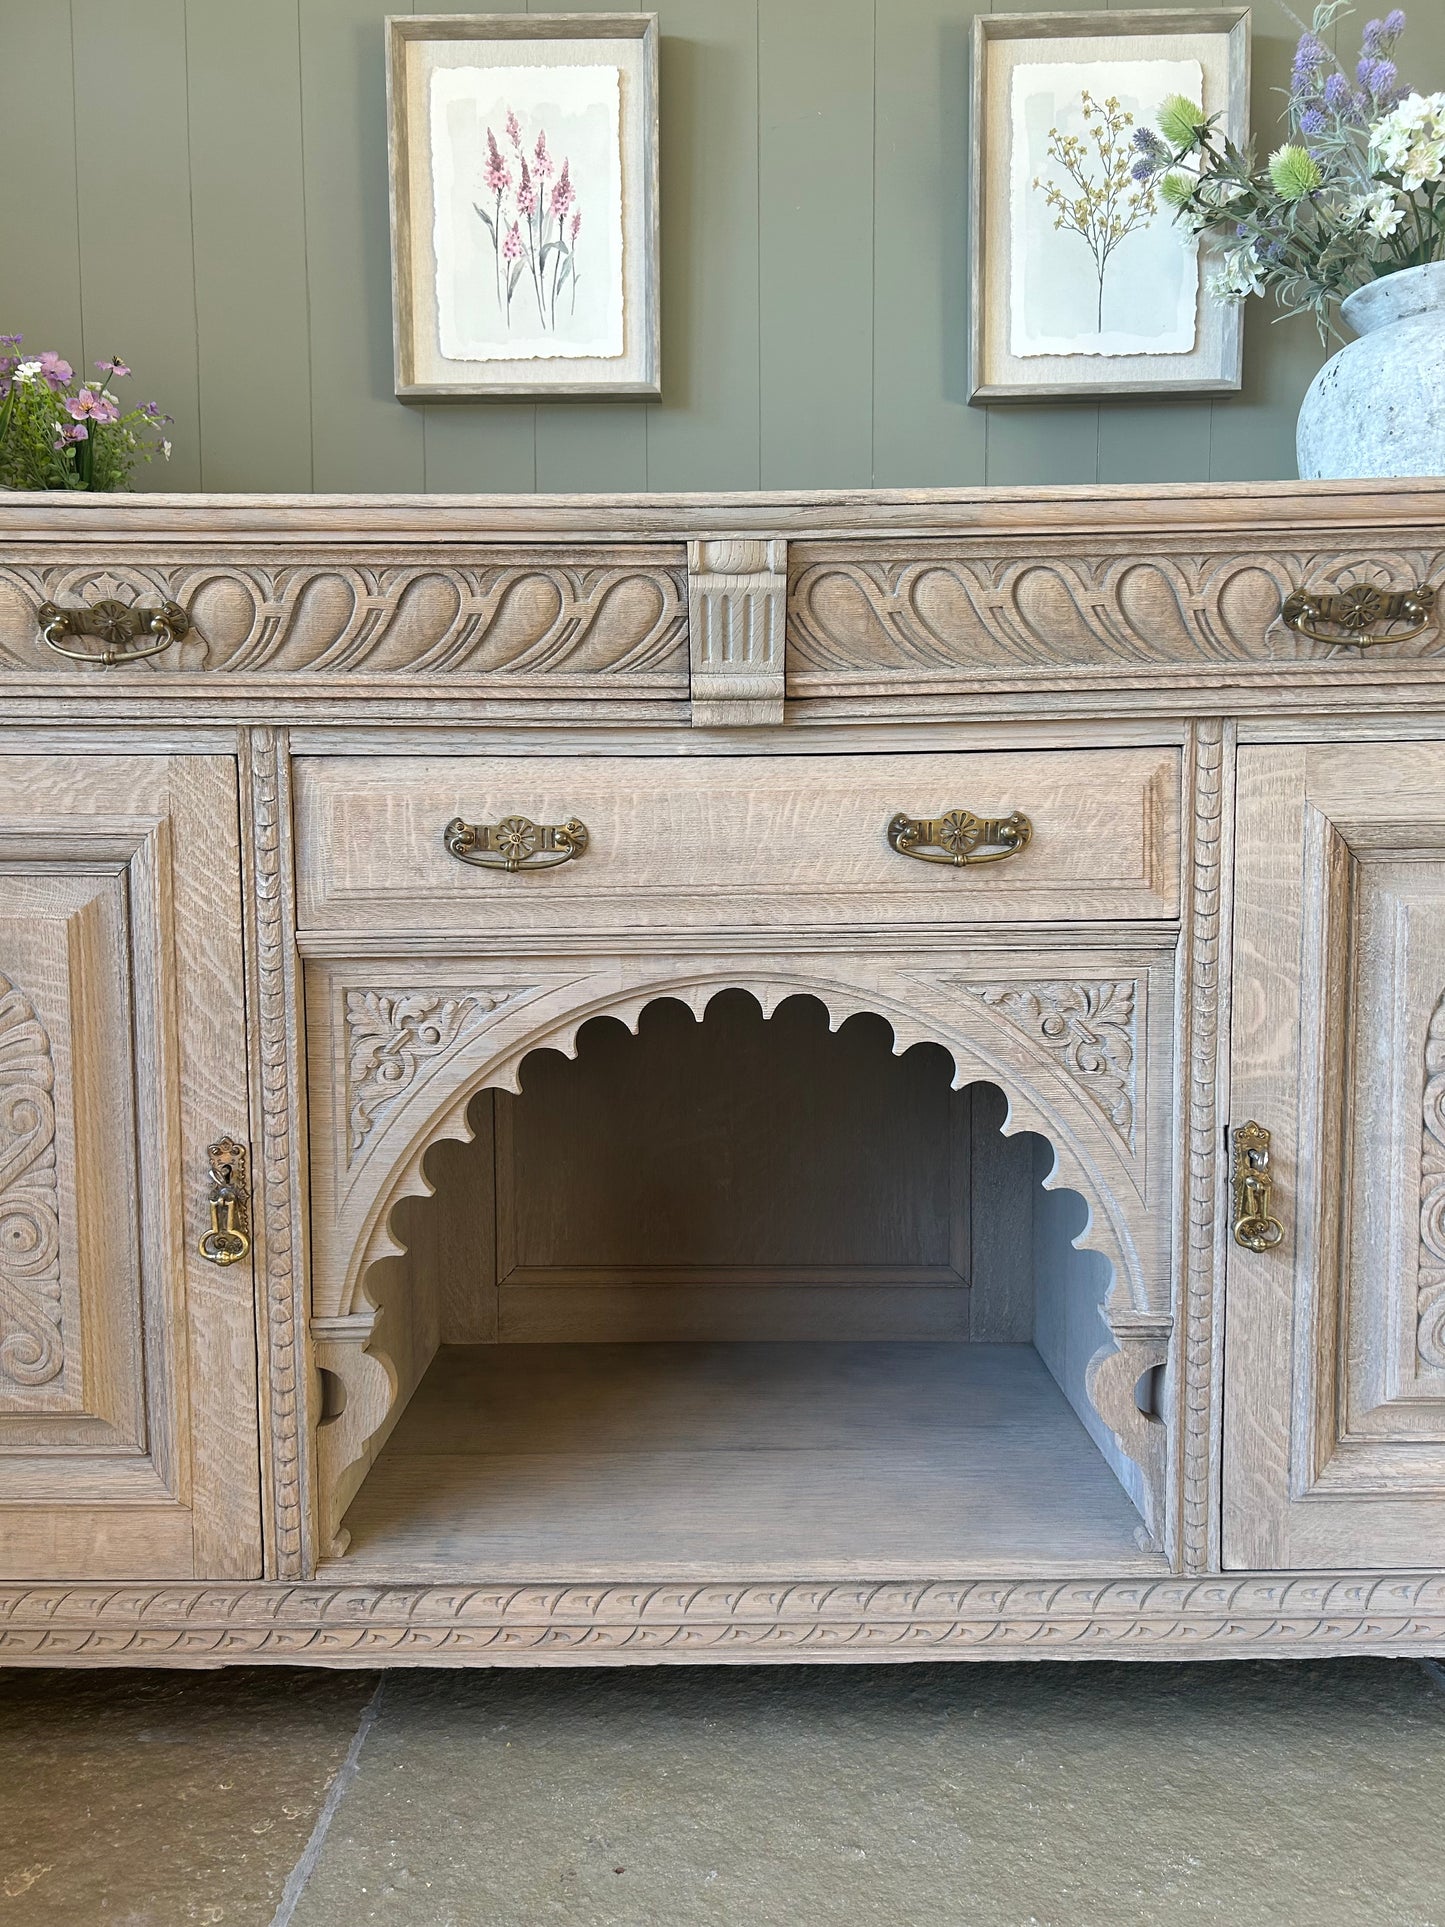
x=737 y=601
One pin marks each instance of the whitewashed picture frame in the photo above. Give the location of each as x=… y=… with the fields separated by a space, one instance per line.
x=524 y=204
x=1053 y=314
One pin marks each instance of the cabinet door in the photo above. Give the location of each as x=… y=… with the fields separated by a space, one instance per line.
x=1334 y=1417
x=128 y=1420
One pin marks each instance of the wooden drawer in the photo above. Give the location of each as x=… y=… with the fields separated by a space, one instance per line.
x=735 y=841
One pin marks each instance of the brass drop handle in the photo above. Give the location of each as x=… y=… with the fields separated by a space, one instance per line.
x=960 y=837
x=117 y=624
x=1361 y=614
x=516 y=843
x=229 y=1238
x=1254 y=1228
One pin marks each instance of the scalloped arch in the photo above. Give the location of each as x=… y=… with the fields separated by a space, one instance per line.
x=1106 y=1231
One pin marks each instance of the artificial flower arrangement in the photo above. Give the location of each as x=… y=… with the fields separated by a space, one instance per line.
x=60 y=432
x=1357 y=192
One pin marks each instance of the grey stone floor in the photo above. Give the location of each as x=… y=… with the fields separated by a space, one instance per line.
x=1263 y=1795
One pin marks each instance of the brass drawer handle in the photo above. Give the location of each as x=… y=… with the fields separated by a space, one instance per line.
x=229 y=1238
x=1254 y=1228
x=117 y=624
x=516 y=843
x=1361 y=614
x=960 y=837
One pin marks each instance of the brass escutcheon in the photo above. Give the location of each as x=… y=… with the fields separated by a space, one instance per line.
x=1360 y=614
x=516 y=843
x=229 y=1237
x=1254 y=1228
x=117 y=625
x=960 y=837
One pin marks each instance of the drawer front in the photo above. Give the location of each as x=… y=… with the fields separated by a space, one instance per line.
x=735 y=841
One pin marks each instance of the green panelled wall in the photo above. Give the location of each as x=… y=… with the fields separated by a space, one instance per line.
x=200 y=185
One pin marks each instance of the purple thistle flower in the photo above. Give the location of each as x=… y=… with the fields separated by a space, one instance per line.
x=1395 y=22
x=1384 y=78
x=1313 y=121
x=1372 y=41
x=1142 y=171
x=1338 y=93
x=1309 y=57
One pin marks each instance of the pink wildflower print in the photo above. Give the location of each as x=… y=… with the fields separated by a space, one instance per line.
x=497 y=174
x=54 y=371
x=541 y=159
x=576 y=225
x=512 y=246
x=514 y=130
x=562 y=195
x=526 y=192
x=115 y=366
x=91 y=403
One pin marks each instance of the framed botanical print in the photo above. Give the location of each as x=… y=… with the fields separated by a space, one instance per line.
x=1081 y=283
x=524 y=204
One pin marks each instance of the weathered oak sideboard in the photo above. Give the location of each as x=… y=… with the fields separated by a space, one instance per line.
x=722 y=1078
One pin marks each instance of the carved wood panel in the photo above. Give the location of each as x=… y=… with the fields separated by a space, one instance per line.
x=864 y=611
x=516 y=617
x=127 y=1367
x=1340 y=961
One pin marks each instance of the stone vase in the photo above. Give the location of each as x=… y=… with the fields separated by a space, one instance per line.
x=1378 y=406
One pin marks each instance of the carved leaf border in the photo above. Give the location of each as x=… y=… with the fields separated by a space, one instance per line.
x=32 y=1338
x=391 y=1034
x=1089 y=1030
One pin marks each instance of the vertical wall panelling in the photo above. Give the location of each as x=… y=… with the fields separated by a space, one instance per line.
x=39 y=245
x=361 y=436
x=1043 y=441
x=134 y=198
x=924 y=432
x=703 y=434
x=590 y=445
x=815 y=184
x=485 y=444
x=244 y=87
x=204 y=188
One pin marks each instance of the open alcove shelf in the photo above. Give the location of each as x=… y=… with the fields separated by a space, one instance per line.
x=727 y=1295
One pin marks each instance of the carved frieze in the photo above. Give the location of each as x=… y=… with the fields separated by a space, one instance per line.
x=1089 y=1029
x=618 y=617
x=946 y=606
x=32 y=1342
x=390 y=1034
x=1432 y=1196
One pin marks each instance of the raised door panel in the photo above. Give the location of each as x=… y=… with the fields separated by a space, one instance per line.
x=1334 y=1443
x=128 y=1422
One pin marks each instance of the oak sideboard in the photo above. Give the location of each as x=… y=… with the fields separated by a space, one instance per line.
x=833 y=1076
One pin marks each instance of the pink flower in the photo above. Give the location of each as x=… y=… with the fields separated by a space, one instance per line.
x=72 y=432
x=542 y=160
x=115 y=366
x=512 y=246
x=576 y=225
x=514 y=131
x=496 y=174
x=562 y=193
x=90 y=402
x=53 y=371
x=526 y=193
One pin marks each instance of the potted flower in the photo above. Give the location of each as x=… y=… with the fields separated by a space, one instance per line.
x=1346 y=219
x=57 y=431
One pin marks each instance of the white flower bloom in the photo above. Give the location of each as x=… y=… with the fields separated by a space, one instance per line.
x=166 y=450
x=1383 y=215
x=28 y=372
x=1410 y=141
x=1237 y=277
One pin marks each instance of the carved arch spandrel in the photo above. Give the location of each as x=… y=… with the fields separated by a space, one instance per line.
x=1088 y=1156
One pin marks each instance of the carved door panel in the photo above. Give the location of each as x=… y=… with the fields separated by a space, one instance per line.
x=1334 y=1421
x=128 y=1421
